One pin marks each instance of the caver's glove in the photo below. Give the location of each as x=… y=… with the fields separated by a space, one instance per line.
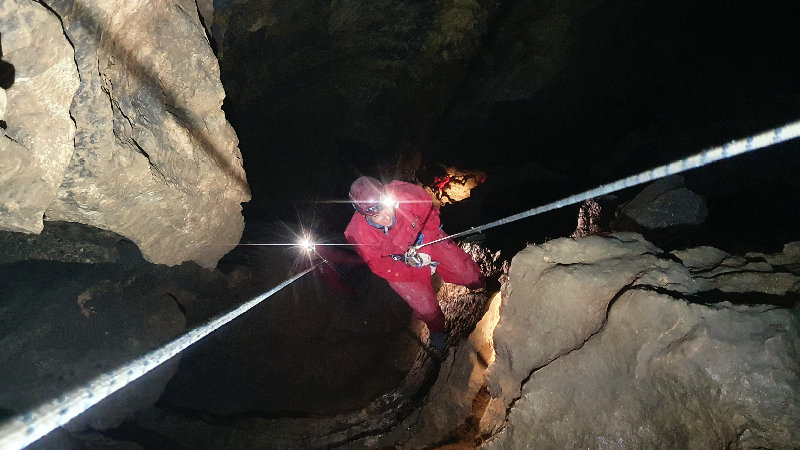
x=414 y=258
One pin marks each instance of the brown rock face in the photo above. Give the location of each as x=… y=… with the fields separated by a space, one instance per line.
x=36 y=146
x=607 y=343
x=153 y=159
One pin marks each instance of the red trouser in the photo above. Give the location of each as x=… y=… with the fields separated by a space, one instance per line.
x=455 y=266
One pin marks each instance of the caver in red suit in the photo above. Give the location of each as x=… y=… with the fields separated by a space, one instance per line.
x=413 y=213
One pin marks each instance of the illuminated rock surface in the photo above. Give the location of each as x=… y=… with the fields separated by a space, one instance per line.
x=609 y=343
x=36 y=139
x=153 y=159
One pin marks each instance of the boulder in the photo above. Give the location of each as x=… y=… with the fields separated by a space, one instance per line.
x=36 y=138
x=666 y=203
x=609 y=343
x=153 y=157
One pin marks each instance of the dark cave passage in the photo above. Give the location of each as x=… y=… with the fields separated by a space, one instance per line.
x=641 y=85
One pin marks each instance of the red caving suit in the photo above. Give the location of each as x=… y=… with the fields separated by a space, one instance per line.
x=415 y=212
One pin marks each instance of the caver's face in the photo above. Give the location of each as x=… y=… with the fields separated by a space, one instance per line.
x=384 y=216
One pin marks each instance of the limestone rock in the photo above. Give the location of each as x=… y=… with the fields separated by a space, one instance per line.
x=36 y=146
x=154 y=158
x=572 y=299
x=665 y=203
x=667 y=374
x=606 y=352
x=3 y=103
x=452 y=399
x=717 y=270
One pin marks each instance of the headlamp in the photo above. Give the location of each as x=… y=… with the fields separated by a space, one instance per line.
x=388 y=200
x=306 y=244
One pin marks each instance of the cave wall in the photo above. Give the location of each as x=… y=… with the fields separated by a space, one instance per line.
x=117 y=123
x=36 y=142
x=608 y=342
x=590 y=91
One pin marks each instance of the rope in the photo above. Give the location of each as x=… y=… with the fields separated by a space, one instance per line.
x=22 y=430
x=733 y=148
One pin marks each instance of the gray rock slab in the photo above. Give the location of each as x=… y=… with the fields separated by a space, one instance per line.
x=665 y=203
x=557 y=296
x=664 y=373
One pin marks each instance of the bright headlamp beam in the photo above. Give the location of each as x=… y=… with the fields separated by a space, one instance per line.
x=388 y=200
x=306 y=244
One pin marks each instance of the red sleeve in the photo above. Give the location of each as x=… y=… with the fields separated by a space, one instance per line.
x=431 y=229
